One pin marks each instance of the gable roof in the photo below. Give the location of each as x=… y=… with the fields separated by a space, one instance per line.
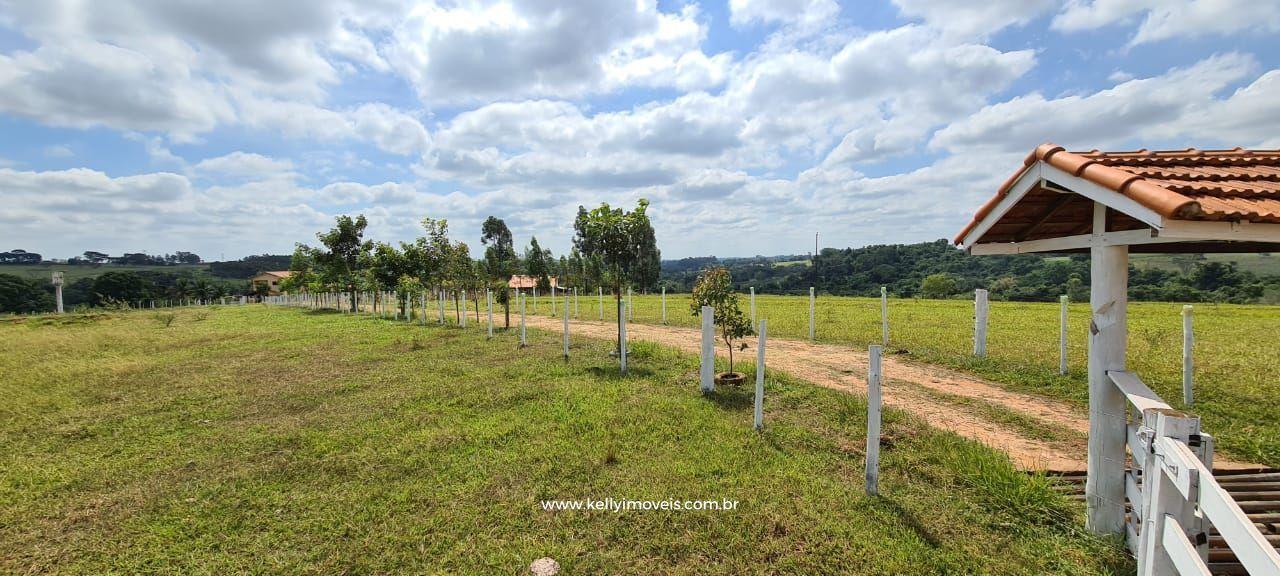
x=522 y=282
x=1234 y=185
x=276 y=273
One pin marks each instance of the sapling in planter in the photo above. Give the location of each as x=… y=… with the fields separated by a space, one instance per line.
x=715 y=289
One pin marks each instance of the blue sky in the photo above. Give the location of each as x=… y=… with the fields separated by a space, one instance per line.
x=237 y=128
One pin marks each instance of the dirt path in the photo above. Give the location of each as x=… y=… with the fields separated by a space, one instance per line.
x=916 y=388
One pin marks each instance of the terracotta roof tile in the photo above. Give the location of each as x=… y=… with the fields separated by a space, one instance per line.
x=1189 y=184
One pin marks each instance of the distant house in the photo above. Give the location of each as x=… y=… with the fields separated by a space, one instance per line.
x=526 y=282
x=270 y=280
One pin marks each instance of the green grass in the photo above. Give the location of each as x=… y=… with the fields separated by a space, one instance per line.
x=71 y=273
x=272 y=440
x=1234 y=351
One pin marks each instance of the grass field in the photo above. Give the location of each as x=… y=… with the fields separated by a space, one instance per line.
x=72 y=273
x=1235 y=349
x=273 y=440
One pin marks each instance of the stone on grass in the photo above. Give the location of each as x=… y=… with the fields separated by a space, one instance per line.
x=544 y=567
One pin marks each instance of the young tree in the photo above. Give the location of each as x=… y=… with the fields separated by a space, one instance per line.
x=346 y=252
x=715 y=289
x=500 y=260
x=938 y=285
x=538 y=263
x=616 y=239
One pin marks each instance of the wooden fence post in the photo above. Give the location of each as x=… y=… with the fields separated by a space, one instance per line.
x=565 y=318
x=464 y=309
x=708 y=349
x=523 y=342
x=980 y=308
x=884 y=316
x=811 y=332
x=1188 y=366
x=1062 y=334
x=760 y=343
x=873 y=420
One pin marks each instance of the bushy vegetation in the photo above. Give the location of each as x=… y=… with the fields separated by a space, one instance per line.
x=135 y=448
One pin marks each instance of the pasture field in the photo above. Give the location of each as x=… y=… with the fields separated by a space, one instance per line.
x=1236 y=351
x=276 y=440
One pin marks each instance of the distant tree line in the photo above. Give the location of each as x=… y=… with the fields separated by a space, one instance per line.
x=21 y=295
x=19 y=256
x=939 y=270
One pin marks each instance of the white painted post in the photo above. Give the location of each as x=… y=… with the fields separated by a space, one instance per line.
x=884 y=316
x=57 y=288
x=664 y=304
x=535 y=298
x=565 y=319
x=980 y=309
x=488 y=304
x=600 y=293
x=708 y=349
x=1188 y=367
x=442 y=307
x=1062 y=334
x=1108 y=336
x=811 y=314
x=575 y=303
x=874 y=378
x=622 y=339
x=463 y=316
x=760 y=343
x=553 y=300
x=753 y=305
x=523 y=341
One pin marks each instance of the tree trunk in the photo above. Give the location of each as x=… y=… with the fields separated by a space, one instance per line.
x=506 y=307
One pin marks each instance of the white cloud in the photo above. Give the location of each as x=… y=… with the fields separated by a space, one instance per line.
x=1165 y=107
x=977 y=19
x=807 y=12
x=1171 y=19
x=486 y=51
x=243 y=165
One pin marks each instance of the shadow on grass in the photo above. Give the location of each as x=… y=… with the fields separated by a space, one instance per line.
x=612 y=372
x=908 y=519
x=732 y=398
x=320 y=312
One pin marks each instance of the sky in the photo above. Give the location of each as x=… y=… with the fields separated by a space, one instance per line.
x=242 y=127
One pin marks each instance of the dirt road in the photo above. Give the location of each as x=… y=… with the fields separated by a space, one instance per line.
x=1038 y=433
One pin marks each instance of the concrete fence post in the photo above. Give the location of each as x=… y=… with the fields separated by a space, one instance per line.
x=874 y=378
x=980 y=310
x=553 y=300
x=600 y=294
x=523 y=341
x=708 y=349
x=811 y=320
x=884 y=316
x=442 y=307
x=1188 y=364
x=1062 y=334
x=759 y=399
x=664 y=304
x=753 y=305
x=57 y=289
x=631 y=306
x=565 y=319
x=488 y=305
x=463 y=316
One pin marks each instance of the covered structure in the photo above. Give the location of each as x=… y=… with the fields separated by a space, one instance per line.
x=269 y=281
x=1110 y=204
